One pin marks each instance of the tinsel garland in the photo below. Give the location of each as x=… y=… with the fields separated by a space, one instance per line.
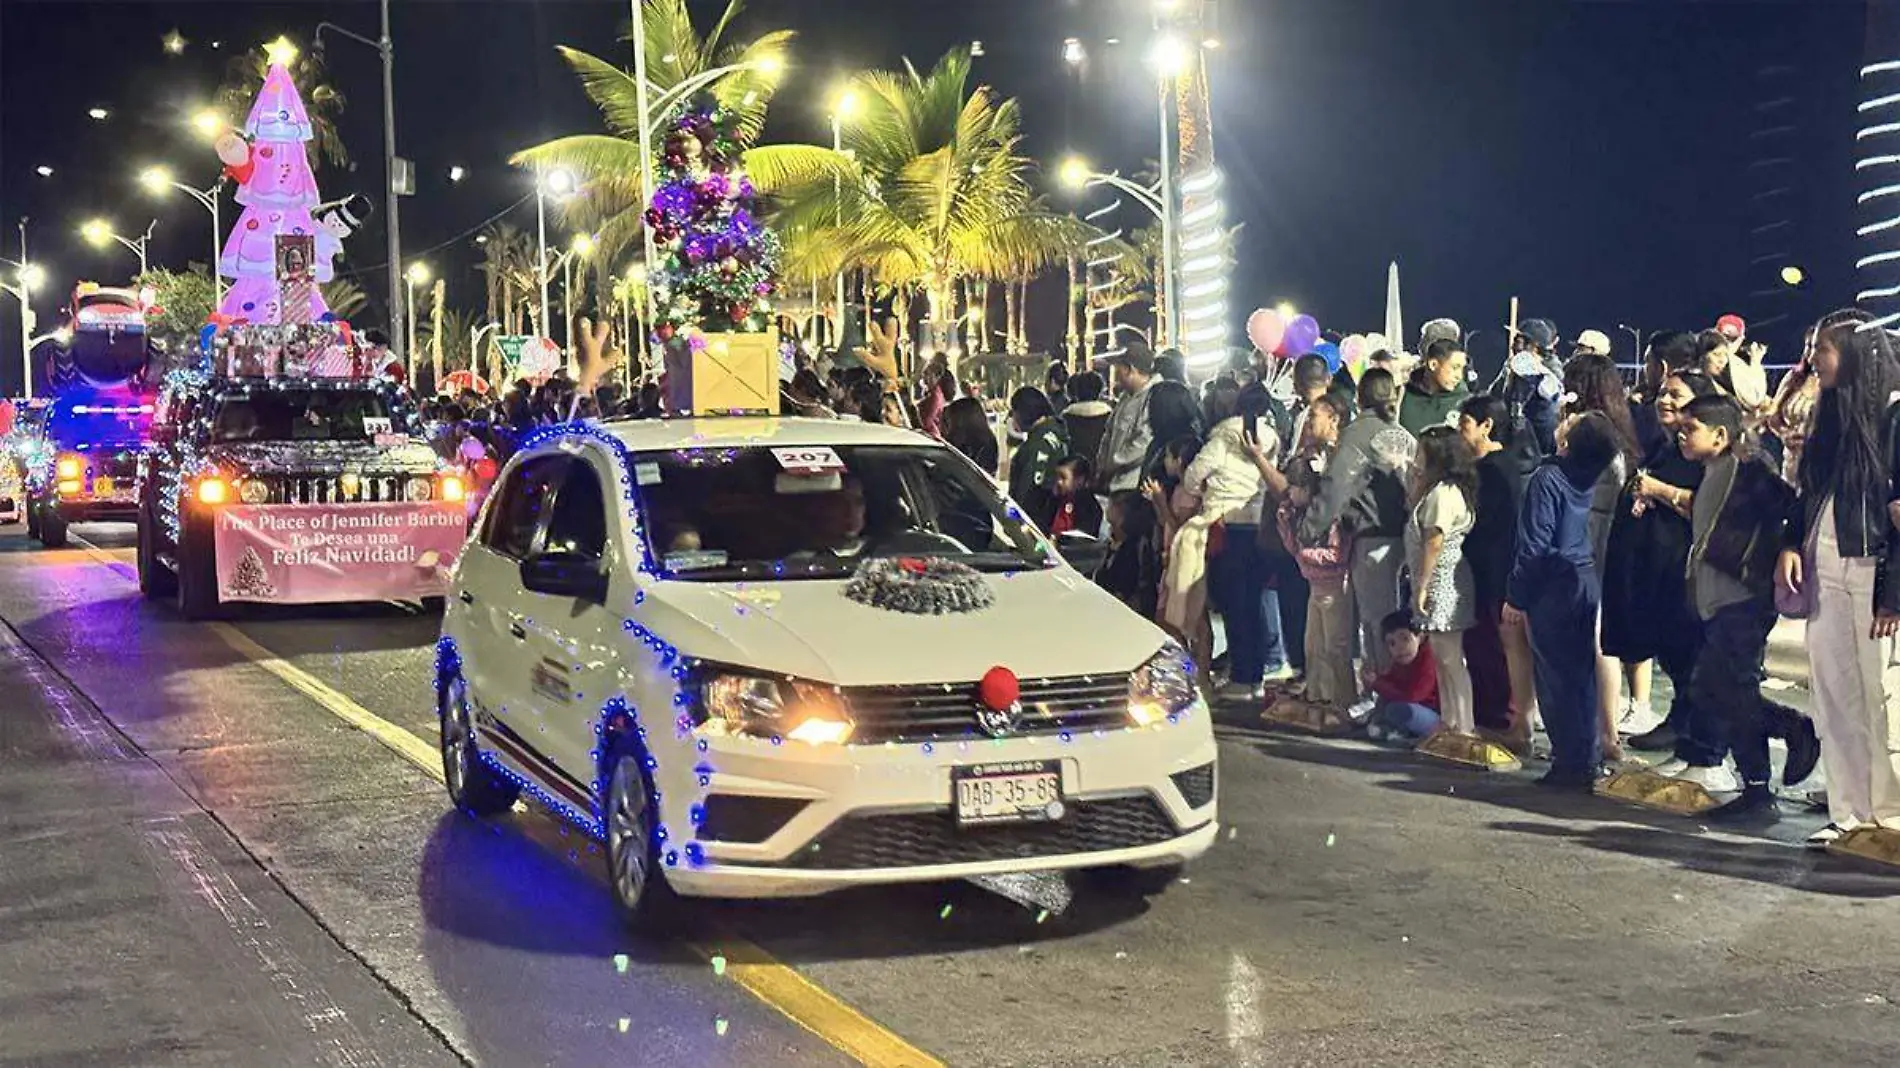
x=924 y=587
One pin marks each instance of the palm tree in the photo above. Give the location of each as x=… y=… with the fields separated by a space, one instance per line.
x=931 y=191
x=607 y=203
x=508 y=270
x=244 y=76
x=344 y=297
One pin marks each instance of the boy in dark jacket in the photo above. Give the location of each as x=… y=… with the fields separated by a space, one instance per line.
x=1737 y=514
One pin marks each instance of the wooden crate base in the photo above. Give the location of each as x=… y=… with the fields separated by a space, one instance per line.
x=1468 y=750
x=1641 y=786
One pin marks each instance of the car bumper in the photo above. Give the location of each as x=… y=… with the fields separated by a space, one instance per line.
x=875 y=815
x=97 y=510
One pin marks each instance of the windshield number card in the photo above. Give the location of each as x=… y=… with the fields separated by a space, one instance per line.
x=375 y=426
x=809 y=460
x=1028 y=791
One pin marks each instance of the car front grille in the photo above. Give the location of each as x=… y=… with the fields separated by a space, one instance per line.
x=331 y=489
x=947 y=711
x=921 y=838
x=1196 y=784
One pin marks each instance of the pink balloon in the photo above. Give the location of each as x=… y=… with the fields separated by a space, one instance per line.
x=1300 y=337
x=1352 y=348
x=1265 y=328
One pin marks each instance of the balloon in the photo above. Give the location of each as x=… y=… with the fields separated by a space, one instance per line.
x=1377 y=343
x=1301 y=335
x=1265 y=328
x=1352 y=349
x=1330 y=352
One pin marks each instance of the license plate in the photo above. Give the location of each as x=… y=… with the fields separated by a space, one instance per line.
x=102 y=487
x=1020 y=792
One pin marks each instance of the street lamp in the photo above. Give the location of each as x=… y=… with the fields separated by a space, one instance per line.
x=417 y=274
x=387 y=49
x=845 y=105
x=99 y=114
x=98 y=233
x=157 y=180
x=26 y=278
x=43 y=171
x=475 y=349
x=208 y=123
x=457 y=173
x=557 y=183
x=1073 y=53
x=1076 y=174
x=580 y=246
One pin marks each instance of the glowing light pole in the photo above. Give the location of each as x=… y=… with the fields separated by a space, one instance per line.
x=98 y=233
x=559 y=183
x=157 y=180
x=25 y=279
x=416 y=275
x=846 y=106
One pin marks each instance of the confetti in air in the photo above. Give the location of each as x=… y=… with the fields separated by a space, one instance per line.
x=620 y=963
x=719 y=964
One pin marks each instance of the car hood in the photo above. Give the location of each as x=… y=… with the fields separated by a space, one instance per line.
x=322 y=457
x=1043 y=624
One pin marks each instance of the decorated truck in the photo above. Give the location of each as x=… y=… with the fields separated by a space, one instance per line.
x=290 y=473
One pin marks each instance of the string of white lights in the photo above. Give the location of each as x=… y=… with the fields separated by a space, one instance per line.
x=1202 y=239
x=1878 y=288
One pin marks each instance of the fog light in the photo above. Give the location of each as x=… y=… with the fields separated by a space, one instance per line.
x=819 y=729
x=452 y=489
x=69 y=467
x=212 y=490
x=68 y=487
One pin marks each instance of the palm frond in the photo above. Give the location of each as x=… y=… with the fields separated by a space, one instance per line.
x=613 y=91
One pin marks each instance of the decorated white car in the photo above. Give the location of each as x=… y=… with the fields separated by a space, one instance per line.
x=761 y=656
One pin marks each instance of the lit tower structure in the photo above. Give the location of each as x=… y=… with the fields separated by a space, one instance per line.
x=1877 y=168
x=1203 y=252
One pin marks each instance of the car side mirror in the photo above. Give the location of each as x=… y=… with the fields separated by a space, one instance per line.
x=563 y=574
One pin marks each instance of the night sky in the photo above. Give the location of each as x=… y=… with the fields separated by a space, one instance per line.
x=1653 y=162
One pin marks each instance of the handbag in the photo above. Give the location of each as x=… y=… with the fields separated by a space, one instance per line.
x=1798 y=604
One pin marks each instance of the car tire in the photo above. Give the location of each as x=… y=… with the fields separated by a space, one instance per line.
x=196 y=571
x=1130 y=882
x=32 y=519
x=473 y=786
x=155 y=581
x=53 y=529
x=634 y=872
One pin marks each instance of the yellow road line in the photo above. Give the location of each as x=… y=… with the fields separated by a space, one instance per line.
x=777 y=984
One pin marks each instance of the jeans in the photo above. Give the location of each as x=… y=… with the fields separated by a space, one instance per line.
x=1272 y=638
x=1413 y=719
x=1727 y=710
x=1376 y=563
x=1290 y=589
x=1563 y=633
x=1236 y=580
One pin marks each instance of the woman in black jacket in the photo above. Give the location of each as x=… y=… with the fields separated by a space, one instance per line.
x=1841 y=556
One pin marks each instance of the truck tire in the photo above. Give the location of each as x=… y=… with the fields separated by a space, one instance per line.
x=32 y=519
x=197 y=571
x=155 y=581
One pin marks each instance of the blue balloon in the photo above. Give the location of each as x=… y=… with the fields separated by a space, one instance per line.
x=205 y=334
x=1331 y=352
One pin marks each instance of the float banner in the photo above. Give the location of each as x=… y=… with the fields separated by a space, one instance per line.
x=320 y=553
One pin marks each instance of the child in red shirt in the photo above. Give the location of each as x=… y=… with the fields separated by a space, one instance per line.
x=1076 y=506
x=1407 y=692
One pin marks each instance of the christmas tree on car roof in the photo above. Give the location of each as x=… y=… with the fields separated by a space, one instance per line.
x=271 y=164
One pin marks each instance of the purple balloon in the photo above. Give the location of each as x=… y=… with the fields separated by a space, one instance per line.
x=1302 y=334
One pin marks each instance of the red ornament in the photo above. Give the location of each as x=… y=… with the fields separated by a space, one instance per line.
x=999 y=690
x=913 y=565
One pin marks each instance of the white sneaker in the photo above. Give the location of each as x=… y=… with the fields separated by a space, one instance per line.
x=1280 y=674
x=1362 y=709
x=1670 y=768
x=1636 y=719
x=1720 y=779
x=1833 y=832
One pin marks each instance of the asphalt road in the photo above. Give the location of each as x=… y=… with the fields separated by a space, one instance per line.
x=200 y=864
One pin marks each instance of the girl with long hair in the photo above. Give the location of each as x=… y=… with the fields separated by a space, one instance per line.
x=1841 y=556
x=1443 y=508
x=1592 y=383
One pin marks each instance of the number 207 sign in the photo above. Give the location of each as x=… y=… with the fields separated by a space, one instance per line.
x=809 y=460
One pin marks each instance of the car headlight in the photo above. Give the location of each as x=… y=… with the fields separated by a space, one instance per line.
x=1162 y=688
x=770 y=708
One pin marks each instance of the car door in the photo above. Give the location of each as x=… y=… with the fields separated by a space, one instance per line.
x=571 y=642
x=486 y=608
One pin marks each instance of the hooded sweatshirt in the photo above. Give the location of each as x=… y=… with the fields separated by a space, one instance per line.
x=1421 y=407
x=1554 y=560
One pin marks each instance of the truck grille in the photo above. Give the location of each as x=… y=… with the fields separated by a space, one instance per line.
x=920 y=838
x=947 y=711
x=330 y=489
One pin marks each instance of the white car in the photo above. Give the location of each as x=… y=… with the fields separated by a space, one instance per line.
x=763 y=657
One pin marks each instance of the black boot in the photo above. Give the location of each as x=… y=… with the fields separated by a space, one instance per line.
x=1661 y=740
x=1804 y=751
x=1755 y=804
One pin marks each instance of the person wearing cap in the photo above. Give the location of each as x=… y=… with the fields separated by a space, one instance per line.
x=1437 y=387
x=1593 y=341
x=1531 y=381
x=1124 y=449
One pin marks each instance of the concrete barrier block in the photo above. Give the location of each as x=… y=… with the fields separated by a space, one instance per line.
x=1469 y=750
x=1643 y=787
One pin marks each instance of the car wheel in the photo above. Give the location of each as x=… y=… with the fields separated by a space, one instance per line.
x=474 y=787
x=32 y=519
x=53 y=529
x=633 y=854
x=1129 y=882
x=154 y=580
x=196 y=571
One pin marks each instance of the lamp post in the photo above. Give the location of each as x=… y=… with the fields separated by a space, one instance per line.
x=98 y=233
x=416 y=274
x=1077 y=175
x=157 y=179
x=560 y=183
x=387 y=49
x=577 y=247
x=475 y=348
x=846 y=106
x=25 y=279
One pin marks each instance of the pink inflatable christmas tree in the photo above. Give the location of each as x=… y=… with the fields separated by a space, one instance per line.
x=277 y=190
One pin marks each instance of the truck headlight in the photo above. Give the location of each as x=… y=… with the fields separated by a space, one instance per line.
x=769 y=708
x=69 y=467
x=1163 y=687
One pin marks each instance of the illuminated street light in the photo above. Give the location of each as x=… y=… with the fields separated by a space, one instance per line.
x=100 y=114
x=770 y=66
x=456 y=174
x=581 y=245
x=1793 y=275
x=280 y=51
x=1286 y=310
x=846 y=104
x=43 y=171
x=175 y=42
x=31 y=276
x=158 y=181
x=556 y=183
x=1073 y=53
x=1074 y=172
x=208 y=123
x=99 y=234
x=1170 y=57
x=155 y=179
x=26 y=278
x=417 y=273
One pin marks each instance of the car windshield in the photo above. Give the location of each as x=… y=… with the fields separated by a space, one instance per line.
x=302 y=415
x=713 y=514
